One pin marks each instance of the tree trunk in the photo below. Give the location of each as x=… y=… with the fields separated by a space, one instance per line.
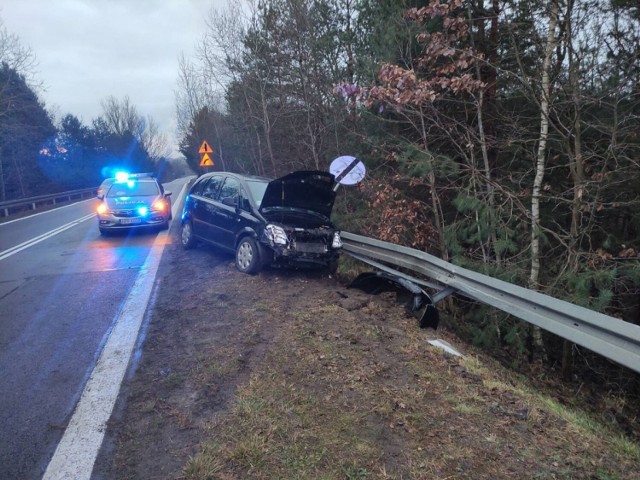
x=486 y=102
x=266 y=122
x=3 y=192
x=545 y=108
x=435 y=200
x=576 y=167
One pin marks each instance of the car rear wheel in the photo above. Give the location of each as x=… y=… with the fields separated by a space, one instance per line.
x=187 y=238
x=248 y=256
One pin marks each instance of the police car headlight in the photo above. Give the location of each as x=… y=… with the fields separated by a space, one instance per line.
x=276 y=235
x=102 y=209
x=159 y=206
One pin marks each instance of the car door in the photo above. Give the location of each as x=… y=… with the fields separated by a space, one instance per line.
x=190 y=209
x=204 y=208
x=229 y=213
x=194 y=205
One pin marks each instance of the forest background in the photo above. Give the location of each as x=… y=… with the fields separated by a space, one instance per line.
x=503 y=136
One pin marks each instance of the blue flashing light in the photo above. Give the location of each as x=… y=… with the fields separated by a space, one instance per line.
x=121 y=176
x=143 y=211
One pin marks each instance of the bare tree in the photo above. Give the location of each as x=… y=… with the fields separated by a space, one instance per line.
x=154 y=141
x=17 y=56
x=121 y=116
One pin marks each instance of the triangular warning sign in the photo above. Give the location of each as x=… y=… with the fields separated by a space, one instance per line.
x=206 y=161
x=205 y=148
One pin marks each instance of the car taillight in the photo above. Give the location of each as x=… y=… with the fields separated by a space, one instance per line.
x=102 y=209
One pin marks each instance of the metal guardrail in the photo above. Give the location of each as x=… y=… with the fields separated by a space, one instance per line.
x=605 y=335
x=33 y=202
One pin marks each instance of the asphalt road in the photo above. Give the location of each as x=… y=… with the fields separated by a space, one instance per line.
x=62 y=286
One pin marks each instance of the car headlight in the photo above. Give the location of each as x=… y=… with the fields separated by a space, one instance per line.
x=276 y=235
x=337 y=241
x=102 y=209
x=159 y=205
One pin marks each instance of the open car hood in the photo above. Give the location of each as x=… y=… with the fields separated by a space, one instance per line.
x=302 y=190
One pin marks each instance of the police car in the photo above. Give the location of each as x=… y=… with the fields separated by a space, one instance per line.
x=133 y=201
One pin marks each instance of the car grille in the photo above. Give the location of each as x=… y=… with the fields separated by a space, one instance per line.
x=311 y=247
x=125 y=213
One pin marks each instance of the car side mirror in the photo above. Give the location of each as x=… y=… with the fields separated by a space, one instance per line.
x=167 y=194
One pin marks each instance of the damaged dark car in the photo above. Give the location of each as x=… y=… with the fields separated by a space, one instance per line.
x=282 y=222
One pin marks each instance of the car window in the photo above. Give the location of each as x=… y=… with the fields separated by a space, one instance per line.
x=230 y=189
x=210 y=189
x=257 y=189
x=197 y=187
x=133 y=189
x=244 y=200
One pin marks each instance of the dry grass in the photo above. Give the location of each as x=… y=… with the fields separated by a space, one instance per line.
x=289 y=375
x=353 y=399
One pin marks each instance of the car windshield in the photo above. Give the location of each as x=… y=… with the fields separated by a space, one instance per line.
x=133 y=189
x=256 y=190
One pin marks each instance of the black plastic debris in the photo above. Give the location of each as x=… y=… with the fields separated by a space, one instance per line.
x=416 y=300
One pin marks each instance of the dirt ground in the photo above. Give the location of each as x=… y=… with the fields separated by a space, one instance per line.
x=289 y=374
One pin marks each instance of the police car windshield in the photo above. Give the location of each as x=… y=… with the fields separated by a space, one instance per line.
x=133 y=188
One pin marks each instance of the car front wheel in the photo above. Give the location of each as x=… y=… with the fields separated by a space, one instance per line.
x=187 y=238
x=248 y=256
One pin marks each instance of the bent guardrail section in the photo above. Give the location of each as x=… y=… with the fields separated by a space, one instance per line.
x=608 y=336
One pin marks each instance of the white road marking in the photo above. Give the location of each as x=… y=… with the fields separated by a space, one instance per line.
x=78 y=449
x=47 y=211
x=44 y=236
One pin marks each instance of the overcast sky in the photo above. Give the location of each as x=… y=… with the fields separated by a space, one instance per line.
x=88 y=50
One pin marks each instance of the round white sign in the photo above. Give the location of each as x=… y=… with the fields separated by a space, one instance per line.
x=348 y=170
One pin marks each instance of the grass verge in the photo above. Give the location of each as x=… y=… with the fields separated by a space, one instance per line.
x=359 y=394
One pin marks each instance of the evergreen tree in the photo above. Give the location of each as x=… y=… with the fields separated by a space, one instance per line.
x=25 y=127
